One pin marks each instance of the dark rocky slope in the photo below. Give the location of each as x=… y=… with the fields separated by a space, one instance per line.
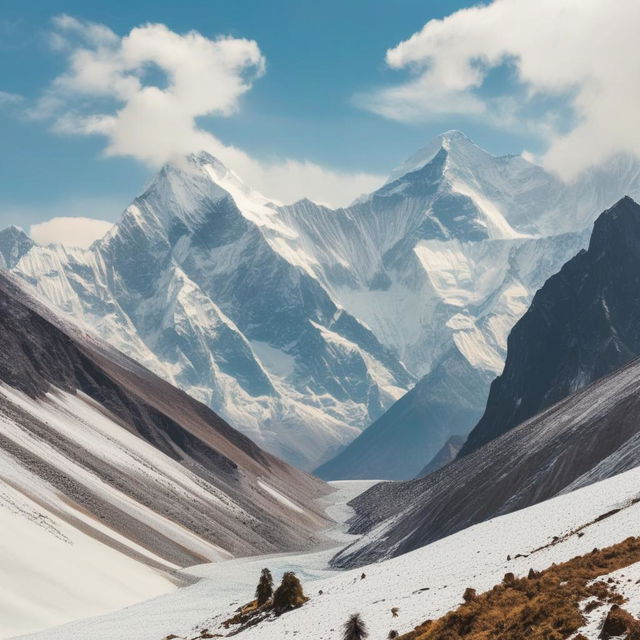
x=589 y=436
x=416 y=427
x=581 y=325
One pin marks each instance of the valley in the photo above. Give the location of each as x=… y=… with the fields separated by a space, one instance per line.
x=215 y=585
x=168 y=514
x=423 y=584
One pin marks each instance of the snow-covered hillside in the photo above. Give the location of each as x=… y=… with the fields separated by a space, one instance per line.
x=423 y=584
x=52 y=571
x=302 y=325
x=111 y=480
x=589 y=436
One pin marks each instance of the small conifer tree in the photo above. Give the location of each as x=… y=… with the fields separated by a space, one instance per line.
x=289 y=594
x=354 y=628
x=264 y=590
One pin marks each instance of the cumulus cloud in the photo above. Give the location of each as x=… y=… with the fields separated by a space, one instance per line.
x=149 y=121
x=144 y=92
x=582 y=52
x=69 y=231
x=71 y=221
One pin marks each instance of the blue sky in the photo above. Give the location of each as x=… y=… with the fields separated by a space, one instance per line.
x=325 y=62
x=318 y=55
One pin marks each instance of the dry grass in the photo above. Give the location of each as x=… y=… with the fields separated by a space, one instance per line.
x=289 y=595
x=243 y=614
x=543 y=606
x=620 y=623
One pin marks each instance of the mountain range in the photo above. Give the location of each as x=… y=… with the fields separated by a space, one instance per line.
x=303 y=325
x=88 y=428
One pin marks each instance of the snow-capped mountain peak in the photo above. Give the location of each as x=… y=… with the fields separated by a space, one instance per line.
x=458 y=189
x=204 y=281
x=185 y=190
x=454 y=142
x=14 y=243
x=235 y=298
x=225 y=178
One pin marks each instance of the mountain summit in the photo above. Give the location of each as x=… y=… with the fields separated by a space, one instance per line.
x=453 y=143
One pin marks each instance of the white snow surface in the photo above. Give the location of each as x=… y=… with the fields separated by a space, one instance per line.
x=423 y=584
x=221 y=583
x=279 y=497
x=56 y=572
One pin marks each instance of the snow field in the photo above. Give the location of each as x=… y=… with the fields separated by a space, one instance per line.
x=423 y=584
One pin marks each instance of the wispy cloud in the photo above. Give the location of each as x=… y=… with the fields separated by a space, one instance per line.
x=70 y=231
x=7 y=98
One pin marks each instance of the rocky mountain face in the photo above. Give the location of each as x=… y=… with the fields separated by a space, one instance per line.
x=303 y=325
x=96 y=442
x=581 y=325
x=591 y=435
x=395 y=445
x=446 y=455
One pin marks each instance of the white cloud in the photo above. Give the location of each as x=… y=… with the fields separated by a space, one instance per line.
x=288 y=180
x=583 y=50
x=75 y=221
x=142 y=119
x=71 y=232
x=144 y=91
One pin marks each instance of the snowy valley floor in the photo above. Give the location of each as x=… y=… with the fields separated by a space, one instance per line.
x=423 y=584
x=221 y=584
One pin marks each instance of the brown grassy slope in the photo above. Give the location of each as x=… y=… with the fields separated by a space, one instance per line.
x=543 y=606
